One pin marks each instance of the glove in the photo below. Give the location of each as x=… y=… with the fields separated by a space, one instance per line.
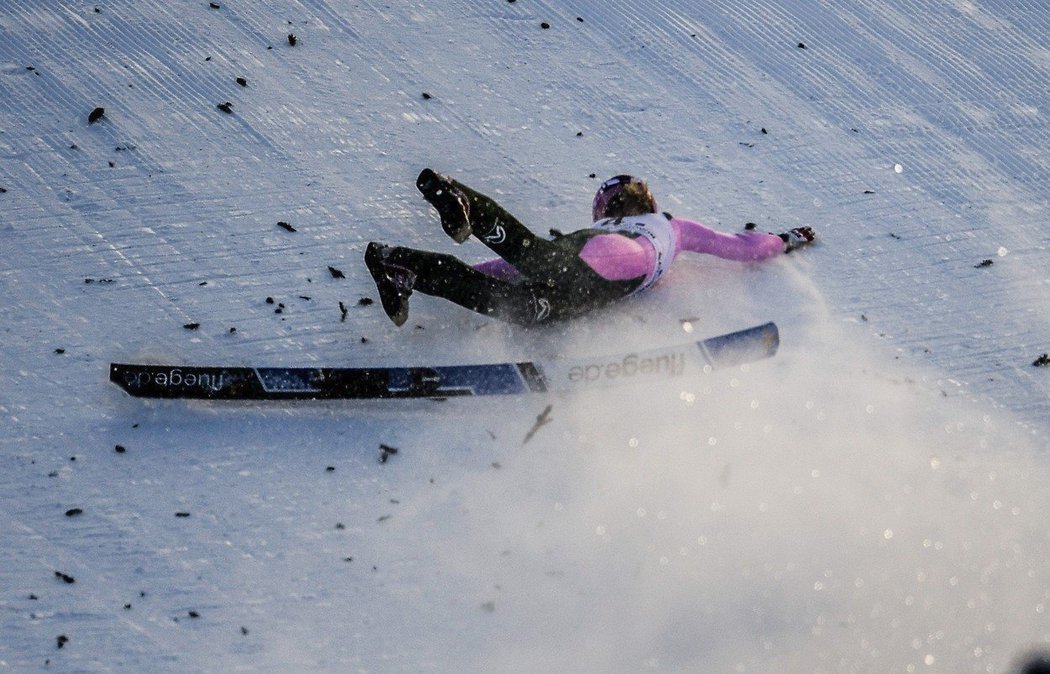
x=797 y=237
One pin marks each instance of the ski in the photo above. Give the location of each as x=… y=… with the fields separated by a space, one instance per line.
x=445 y=381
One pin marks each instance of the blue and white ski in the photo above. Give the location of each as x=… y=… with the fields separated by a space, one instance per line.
x=444 y=381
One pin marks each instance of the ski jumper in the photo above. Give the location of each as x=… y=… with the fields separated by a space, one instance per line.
x=537 y=280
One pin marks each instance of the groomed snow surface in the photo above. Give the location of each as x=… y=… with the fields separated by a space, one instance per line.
x=873 y=499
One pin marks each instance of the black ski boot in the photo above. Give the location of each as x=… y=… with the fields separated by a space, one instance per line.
x=451 y=204
x=393 y=283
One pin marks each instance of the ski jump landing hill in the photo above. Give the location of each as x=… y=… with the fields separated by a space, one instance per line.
x=873 y=498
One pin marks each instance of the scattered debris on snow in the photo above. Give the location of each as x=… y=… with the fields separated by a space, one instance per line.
x=386 y=451
x=542 y=420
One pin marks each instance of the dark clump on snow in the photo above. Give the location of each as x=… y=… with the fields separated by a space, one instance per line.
x=385 y=452
x=1036 y=664
x=284 y=225
x=65 y=577
x=1042 y=361
x=226 y=107
x=96 y=114
x=336 y=273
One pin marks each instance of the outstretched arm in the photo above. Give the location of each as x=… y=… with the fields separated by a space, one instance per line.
x=743 y=247
x=616 y=257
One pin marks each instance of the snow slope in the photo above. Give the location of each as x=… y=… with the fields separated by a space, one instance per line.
x=872 y=499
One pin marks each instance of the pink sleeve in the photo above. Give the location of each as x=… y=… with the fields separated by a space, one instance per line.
x=743 y=247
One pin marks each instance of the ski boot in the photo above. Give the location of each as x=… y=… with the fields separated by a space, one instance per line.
x=451 y=204
x=394 y=283
x=797 y=237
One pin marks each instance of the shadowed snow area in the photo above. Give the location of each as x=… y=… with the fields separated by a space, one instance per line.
x=873 y=498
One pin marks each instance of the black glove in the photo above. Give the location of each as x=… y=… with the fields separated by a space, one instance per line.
x=797 y=237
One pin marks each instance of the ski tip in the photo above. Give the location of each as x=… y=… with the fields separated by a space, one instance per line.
x=767 y=336
x=771 y=337
x=743 y=346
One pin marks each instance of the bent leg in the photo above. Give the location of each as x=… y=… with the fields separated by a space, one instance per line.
x=445 y=276
x=525 y=303
x=553 y=270
x=504 y=234
x=497 y=228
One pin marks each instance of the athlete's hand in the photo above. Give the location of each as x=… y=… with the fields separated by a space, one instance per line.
x=797 y=237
